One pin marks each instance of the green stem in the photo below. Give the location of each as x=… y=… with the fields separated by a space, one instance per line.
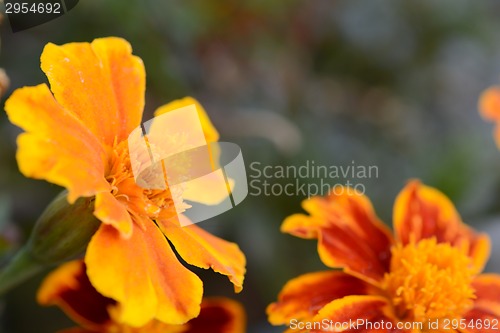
x=22 y=267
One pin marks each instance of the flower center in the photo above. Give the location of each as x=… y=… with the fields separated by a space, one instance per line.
x=140 y=201
x=429 y=280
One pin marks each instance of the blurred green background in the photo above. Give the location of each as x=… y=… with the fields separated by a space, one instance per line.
x=387 y=83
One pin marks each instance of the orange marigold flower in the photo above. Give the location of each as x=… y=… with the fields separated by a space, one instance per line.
x=427 y=273
x=69 y=288
x=76 y=137
x=489 y=107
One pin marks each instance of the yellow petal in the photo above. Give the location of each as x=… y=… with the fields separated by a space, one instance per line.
x=143 y=275
x=96 y=82
x=128 y=79
x=210 y=189
x=204 y=250
x=110 y=211
x=211 y=134
x=217 y=315
x=57 y=146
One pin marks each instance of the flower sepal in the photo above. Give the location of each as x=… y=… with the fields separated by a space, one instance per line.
x=61 y=233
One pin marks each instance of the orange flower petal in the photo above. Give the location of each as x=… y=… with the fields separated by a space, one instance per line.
x=308 y=226
x=218 y=191
x=424 y=212
x=128 y=79
x=172 y=134
x=489 y=104
x=489 y=108
x=69 y=288
x=304 y=296
x=218 y=315
x=478 y=318
x=211 y=134
x=57 y=146
x=88 y=80
x=372 y=309
x=487 y=288
x=143 y=274
x=110 y=211
x=350 y=234
x=154 y=326
x=204 y=250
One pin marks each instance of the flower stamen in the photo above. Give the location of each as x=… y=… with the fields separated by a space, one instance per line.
x=430 y=280
x=141 y=202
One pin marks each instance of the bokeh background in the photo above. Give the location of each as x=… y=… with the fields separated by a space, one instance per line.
x=379 y=82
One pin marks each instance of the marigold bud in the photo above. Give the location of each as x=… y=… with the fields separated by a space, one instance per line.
x=61 y=233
